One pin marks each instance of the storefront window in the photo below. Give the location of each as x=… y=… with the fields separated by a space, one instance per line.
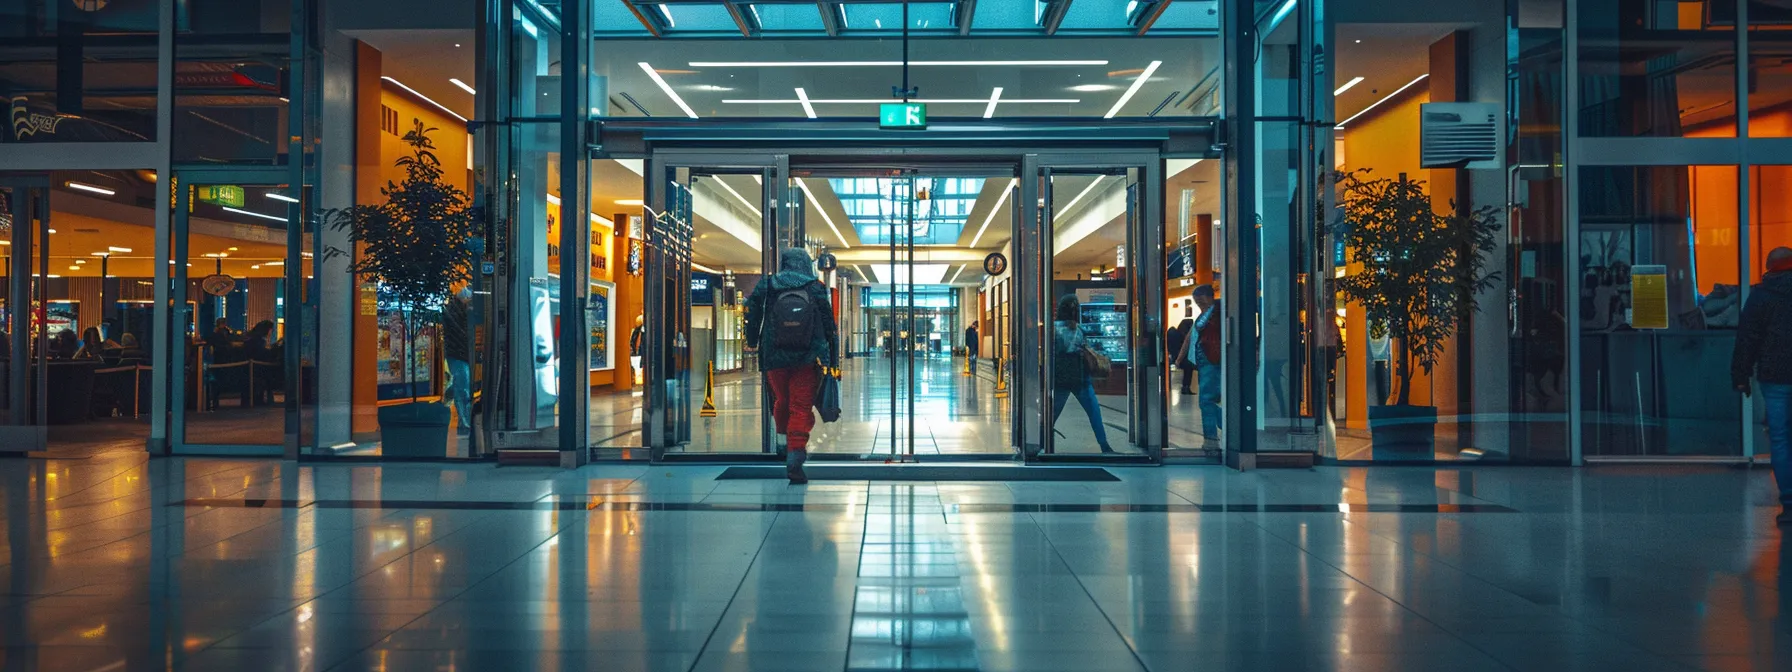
x=1654 y=68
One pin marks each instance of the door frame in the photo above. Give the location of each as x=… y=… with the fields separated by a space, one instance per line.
x=173 y=353
x=27 y=429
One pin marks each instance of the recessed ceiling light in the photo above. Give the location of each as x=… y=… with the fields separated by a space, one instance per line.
x=232 y=249
x=629 y=201
x=80 y=261
x=456 y=45
x=661 y=81
x=1346 y=87
x=463 y=86
x=88 y=187
x=1093 y=87
x=424 y=98
x=120 y=250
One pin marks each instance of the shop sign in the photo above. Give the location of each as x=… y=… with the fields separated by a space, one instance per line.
x=1649 y=297
x=220 y=194
x=905 y=116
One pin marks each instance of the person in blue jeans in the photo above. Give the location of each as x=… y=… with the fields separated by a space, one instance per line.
x=1070 y=376
x=1202 y=348
x=1764 y=352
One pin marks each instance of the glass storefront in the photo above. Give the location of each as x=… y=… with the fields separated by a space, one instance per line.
x=1043 y=234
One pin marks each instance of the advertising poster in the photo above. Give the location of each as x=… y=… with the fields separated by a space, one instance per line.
x=391 y=354
x=600 y=318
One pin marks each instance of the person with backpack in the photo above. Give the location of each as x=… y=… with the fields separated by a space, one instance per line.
x=1763 y=352
x=790 y=322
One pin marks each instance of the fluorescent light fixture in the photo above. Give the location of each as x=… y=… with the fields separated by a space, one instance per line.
x=1136 y=83
x=5 y=242
x=241 y=211
x=1384 y=99
x=1091 y=88
x=876 y=64
x=667 y=12
x=74 y=268
x=52 y=230
x=904 y=274
x=463 y=86
x=88 y=187
x=803 y=97
x=823 y=211
x=992 y=211
x=230 y=249
x=120 y=250
x=629 y=201
x=705 y=269
x=743 y=200
x=80 y=261
x=880 y=101
x=281 y=197
x=553 y=199
x=994 y=97
x=1080 y=195
x=425 y=99
x=661 y=81
x=955 y=274
x=273 y=263
x=1346 y=87
x=99 y=254
x=602 y=221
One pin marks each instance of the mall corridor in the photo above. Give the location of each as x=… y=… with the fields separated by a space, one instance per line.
x=118 y=562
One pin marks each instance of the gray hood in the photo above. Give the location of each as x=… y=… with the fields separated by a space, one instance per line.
x=795 y=269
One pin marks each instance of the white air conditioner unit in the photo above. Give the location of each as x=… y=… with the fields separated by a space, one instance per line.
x=1459 y=135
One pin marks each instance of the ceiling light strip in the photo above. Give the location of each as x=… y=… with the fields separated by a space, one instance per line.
x=955 y=274
x=241 y=211
x=88 y=187
x=876 y=64
x=657 y=79
x=1136 y=84
x=463 y=86
x=1384 y=99
x=992 y=211
x=743 y=200
x=281 y=197
x=424 y=98
x=1346 y=87
x=1081 y=194
x=994 y=97
x=823 y=211
x=803 y=97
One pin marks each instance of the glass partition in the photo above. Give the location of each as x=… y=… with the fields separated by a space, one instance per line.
x=79 y=71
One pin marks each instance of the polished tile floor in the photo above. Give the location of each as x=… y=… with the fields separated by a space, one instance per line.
x=116 y=562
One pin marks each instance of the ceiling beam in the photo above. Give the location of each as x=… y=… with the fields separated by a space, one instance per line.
x=830 y=18
x=967 y=10
x=747 y=29
x=1054 y=16
x=880 y=254
x=651 y=25
x=1151 y=15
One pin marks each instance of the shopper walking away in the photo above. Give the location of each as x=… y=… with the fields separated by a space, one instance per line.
x=1202 y=348
x=457 y=352
x=1764 y=352
x=1070 y=371
x=1178 y=341
x=790 y=321
x=971 y=345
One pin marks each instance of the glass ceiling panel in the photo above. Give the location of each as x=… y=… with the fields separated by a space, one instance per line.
x=776 y=18
x=1191 y=16
x=876 y=207
x=887 y=17
x=613 y=18
x=1011 y=16
x=1098 y=15
x=688 y=18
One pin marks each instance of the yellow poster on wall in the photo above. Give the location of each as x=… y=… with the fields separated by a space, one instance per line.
x=1649 y=297
x=553 y=239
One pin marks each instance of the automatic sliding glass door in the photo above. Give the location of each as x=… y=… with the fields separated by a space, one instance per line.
x=24 y=260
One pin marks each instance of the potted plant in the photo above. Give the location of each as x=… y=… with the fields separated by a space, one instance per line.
x=418 y=245
x=1420 y=274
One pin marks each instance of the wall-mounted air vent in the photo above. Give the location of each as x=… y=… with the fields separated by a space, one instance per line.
x=1459 y=135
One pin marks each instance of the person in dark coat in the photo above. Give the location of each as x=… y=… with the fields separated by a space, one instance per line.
x=794 y=375
x=971 y=345
x=1763 y=352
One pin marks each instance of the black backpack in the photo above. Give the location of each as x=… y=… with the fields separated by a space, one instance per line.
x=790 y=319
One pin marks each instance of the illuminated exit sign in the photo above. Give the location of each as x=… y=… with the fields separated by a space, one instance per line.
x=902 y=115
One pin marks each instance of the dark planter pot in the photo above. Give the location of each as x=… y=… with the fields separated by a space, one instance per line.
x=417 y=429
x=1403 y=432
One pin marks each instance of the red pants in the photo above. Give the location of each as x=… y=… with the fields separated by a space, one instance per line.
x=793 y=399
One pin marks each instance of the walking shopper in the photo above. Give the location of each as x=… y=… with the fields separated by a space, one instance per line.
x=1070 y=372
x=971 y=344
x=1179 y=353
x=1764 y=352
x=1203 y=349
x=457 y=352
x=790 y=321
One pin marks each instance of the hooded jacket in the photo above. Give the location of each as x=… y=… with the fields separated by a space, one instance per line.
x=1764 y=337
x=795 y=269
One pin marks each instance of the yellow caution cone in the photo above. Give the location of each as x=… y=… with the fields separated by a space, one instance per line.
x=968 y=360
x=1001 y=379
x=709 y=393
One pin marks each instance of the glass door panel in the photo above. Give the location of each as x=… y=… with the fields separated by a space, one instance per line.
x=24 y=230
x=229 y=270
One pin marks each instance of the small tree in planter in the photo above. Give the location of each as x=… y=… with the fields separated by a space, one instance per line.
x=418 y=246
x=1422 y=273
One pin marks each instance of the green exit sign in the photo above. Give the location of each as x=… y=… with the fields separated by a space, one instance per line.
x=227 y=195
x=902 y=115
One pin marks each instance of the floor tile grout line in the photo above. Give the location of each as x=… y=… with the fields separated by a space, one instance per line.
x=707 y=639
x=1407 y=608
x=1086 y=592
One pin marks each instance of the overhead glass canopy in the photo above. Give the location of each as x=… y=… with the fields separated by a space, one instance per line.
x=883 y=18
x=877 y=207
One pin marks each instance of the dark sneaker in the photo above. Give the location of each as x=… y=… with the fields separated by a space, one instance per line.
x=793 y=466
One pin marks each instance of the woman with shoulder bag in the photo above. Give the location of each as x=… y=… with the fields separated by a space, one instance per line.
x=1071 y=362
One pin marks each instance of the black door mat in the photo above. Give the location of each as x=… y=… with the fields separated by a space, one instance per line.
x=923 y=472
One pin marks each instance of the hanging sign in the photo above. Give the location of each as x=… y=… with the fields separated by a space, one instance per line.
x=220 y=194
x=218 y=285
x=905 y=116
x=1649 y=297
x=995 y=264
